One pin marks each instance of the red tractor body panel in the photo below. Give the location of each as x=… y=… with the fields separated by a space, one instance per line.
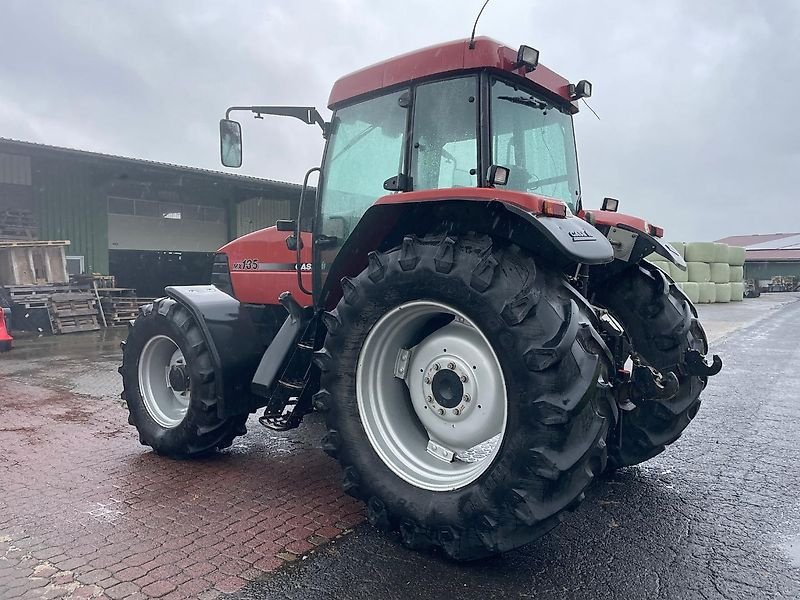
x=262 y=267
x=526 y=201
x=612 y=219
x=439 y=59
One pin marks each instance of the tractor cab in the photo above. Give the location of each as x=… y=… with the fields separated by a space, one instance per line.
x=466 y=114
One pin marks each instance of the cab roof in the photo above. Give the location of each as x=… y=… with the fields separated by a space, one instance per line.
x=441 y=59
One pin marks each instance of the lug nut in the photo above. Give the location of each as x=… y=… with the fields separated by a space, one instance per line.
x=464 y=379
x=466 y=398
x=427 y=380
x=441 y=412
x=436 y=366
x=451 y=365
x=429 y=398
x=456 y=412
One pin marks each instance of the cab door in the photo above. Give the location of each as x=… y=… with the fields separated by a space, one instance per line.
x=367 y=146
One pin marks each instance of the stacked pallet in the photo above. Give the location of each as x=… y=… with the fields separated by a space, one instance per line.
x=73 y=312
x=714 y=271
x=34 y=296
x=17 y=224
x=120 y=305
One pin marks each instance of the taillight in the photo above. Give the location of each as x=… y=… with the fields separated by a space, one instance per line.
x=221 y=274
x=554 y=208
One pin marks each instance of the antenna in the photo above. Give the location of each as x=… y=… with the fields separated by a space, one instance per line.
x=475 y=25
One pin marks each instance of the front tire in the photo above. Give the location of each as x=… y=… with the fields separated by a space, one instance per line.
x=168 y=384
x=548 y=419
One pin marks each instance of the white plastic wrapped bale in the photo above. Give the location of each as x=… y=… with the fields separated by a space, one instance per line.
x=655 y=257
x=720 y=253
x=677 y=274
x=737 y=291
x=699 y=272
x=691 y=289
x=720 y=272
x=708 y=293
x=659 y=261
x=736 y=255
x=701 y=252
x=723 y=292
x=737 y=273
x=680 y=247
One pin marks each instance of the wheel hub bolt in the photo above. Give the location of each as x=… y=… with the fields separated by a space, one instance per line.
x=467 y=398
x=451 y=365
x=427 y=380
x=456 y=412
x=429 y=398
x=464 y=379
x=436 y=366
x=441 y=412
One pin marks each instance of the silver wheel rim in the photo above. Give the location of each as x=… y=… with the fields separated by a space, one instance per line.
x=164 y=400
x=407 y=390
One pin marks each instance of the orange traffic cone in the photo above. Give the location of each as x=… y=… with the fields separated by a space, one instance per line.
x=6 y=340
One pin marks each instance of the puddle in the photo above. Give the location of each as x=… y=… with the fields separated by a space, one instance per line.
x=791 y=549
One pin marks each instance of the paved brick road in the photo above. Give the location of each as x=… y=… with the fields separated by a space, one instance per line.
x=85 y=511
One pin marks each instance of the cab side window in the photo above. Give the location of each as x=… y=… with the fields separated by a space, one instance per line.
x=444 y=149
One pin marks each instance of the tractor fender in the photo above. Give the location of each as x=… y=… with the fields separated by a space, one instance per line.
x=236 y=335
x=515 y=216
x=631 y=237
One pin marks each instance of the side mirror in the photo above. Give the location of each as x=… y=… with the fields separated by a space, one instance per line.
x=230 y=143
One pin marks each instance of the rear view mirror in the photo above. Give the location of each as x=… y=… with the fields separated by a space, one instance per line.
x=230 y=143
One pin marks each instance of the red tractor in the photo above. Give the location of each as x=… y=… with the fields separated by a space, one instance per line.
x=481 y=345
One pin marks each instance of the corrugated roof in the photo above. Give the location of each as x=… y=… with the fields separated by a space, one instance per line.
x=789 y=242
x=20 y=145
x=787 y=255
x=758 y=239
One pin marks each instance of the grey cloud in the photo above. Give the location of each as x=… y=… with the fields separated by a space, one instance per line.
x=698 y=129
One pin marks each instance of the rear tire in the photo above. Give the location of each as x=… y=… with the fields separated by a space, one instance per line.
x=186 y=425
x=554 y=438
x=662 y=324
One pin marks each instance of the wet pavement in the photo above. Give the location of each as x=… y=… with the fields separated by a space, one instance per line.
x=715 y=517
x=85 y=511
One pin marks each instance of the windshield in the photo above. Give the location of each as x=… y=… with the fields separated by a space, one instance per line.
x=535 y=140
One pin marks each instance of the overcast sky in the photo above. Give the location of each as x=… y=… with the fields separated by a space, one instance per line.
x=699 y=120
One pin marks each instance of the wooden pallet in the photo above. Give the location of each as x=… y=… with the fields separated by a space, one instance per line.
x=73 y=312
x=36 y=296
x=32 y=243
x=119 y=310
x=18 y=225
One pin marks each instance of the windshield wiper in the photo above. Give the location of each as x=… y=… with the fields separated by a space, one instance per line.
x=360 y=136
x=526 y=100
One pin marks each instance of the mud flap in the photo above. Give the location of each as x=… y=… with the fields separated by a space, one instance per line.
x=276 y=358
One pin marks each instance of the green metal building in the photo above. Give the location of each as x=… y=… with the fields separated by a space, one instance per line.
x=128 y=217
